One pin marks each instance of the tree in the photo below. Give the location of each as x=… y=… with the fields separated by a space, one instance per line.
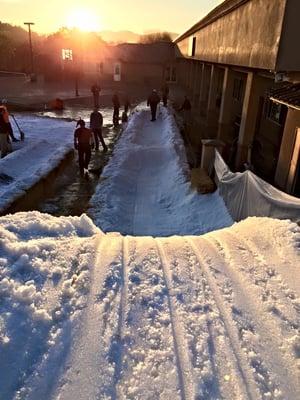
x=156 y=37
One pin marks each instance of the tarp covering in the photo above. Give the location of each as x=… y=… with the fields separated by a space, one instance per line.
x=245 y=195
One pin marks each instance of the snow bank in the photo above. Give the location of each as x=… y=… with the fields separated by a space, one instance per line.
x=201 y=316
x=145 y=188
x=45 y=267
x=47 y=141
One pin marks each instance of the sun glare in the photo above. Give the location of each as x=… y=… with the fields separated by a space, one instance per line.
x=84 y=20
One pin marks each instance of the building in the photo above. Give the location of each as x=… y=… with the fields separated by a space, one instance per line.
x=240 y=66
x=141 y=64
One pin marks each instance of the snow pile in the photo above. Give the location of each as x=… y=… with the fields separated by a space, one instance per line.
x=44 y=280
x=145 y=188
x=47 y=141
x=211 y=316
x=207 y=317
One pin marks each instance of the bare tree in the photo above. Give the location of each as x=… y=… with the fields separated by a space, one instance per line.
x=156 y=37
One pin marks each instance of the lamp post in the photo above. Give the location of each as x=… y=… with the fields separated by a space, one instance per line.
x=30 y=43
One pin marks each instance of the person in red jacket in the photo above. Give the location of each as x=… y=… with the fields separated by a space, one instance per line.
x=83 y=139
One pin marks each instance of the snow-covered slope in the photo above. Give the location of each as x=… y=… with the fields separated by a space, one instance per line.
x=90 y=316
x=145 y=188
x=46 y=143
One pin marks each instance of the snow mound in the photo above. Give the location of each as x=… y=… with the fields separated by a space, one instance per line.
x=145 y=188
x=86 y=315
x=45 y=267
x=47 y=142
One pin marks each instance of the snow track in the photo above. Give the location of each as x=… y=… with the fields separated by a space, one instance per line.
x=185 y=318
x=89 y=316
x=146 y=190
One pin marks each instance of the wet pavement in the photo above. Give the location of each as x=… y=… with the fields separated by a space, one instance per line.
x=71 y=192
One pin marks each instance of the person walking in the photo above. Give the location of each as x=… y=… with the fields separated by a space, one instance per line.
x=153 y=101
x=96 y=123
x=165 y=94
x=116 y=105
x=187 y=114
x=83 y=138
x=4 y=134
x=6 y=119
x=95 y=89
x=126 y=103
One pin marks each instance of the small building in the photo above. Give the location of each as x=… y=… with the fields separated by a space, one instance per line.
x=240 y=66
x=142 y=64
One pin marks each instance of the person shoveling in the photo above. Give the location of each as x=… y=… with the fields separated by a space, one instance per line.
x=22 y=134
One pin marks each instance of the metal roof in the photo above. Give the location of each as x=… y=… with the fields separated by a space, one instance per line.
x=287 y=94
x=224 y=8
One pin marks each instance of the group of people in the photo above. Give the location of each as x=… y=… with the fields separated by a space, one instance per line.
x=6 y=131
x=95 y=89
x=117 y=105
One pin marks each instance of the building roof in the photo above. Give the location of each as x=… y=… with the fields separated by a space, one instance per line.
x=218 y=12
x=153 y=53
x=287 y=94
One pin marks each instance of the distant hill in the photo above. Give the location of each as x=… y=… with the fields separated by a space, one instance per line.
x=125 y=36
x=120 y=36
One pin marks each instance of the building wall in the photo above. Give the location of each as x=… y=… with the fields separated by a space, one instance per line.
x=287 y=147
x=147 y=74
x=266 y=148
x=289 y=54
x=247 y=36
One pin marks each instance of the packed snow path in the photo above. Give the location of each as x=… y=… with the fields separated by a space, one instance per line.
x=92 y=316
x=146 y=189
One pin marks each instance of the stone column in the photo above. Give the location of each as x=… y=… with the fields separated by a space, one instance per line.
x=196 y=87
x=284 y=174
x=254 y=88
x=204 y=89
x=225 y=110
x=211 y=118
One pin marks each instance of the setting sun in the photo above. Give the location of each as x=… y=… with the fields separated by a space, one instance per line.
x=84 y=20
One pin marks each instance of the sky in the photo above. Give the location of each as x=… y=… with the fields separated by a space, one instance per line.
x=140 y=16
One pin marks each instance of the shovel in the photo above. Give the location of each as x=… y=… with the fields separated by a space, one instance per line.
x=22 y=134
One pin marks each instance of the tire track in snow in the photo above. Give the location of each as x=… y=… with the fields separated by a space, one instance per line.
x=88 y=371
x=185 y=374
x=116 y=351
x=241 y=362
x=149 y=369
x=211 y=357
x=268 y=368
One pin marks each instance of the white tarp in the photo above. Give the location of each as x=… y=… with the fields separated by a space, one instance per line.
x=245 y=195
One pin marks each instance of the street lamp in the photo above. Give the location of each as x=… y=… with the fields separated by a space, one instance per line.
x=30 y=44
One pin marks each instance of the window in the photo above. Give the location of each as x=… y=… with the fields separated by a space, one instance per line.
x=67 y=54
x=170 y=74
x=238 y=87
x=100 y=67
x=192 y=46
x=276 y=112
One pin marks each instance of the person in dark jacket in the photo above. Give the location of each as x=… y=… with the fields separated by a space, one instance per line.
x=4 y=134
x=165 y=94
x=116 y=105
x=95 y=89
x=153 y=101
x=126 y=103
x=96 y=123
x=6 y=119
x=187 y=113
x=83 y=138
